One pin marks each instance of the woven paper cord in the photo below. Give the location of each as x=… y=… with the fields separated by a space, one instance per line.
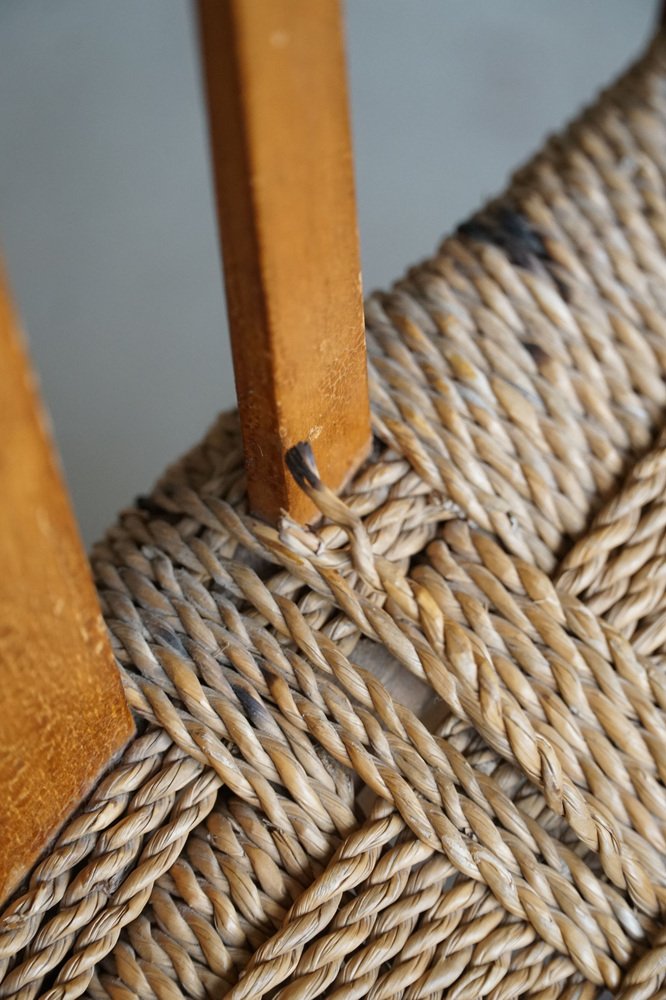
x=284 y=825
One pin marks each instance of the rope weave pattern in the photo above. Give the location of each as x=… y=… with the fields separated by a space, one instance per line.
x=288 y=823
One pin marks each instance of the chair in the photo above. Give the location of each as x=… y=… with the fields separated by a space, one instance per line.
x=413 y=744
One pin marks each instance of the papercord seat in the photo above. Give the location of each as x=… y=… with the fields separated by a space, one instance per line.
x=420 y=750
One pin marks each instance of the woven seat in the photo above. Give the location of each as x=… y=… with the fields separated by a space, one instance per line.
x=419 y=750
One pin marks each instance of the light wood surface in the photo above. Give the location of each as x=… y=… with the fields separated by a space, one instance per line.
x=276 y=88
x=63 y=714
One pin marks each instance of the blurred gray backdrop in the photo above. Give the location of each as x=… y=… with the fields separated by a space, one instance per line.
x=106 y=214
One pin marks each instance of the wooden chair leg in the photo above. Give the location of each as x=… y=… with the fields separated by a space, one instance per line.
x=281 y=146
x=63 y=714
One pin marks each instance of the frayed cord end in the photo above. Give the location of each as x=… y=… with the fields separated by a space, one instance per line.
x=303 y=467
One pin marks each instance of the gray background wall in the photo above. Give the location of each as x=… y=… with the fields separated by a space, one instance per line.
x=106 y=213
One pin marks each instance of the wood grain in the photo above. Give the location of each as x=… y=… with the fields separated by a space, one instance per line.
x=280 y=137
x=63 y=714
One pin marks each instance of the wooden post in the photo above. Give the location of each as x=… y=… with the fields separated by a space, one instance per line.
x=63 y=714
x=277 y=99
